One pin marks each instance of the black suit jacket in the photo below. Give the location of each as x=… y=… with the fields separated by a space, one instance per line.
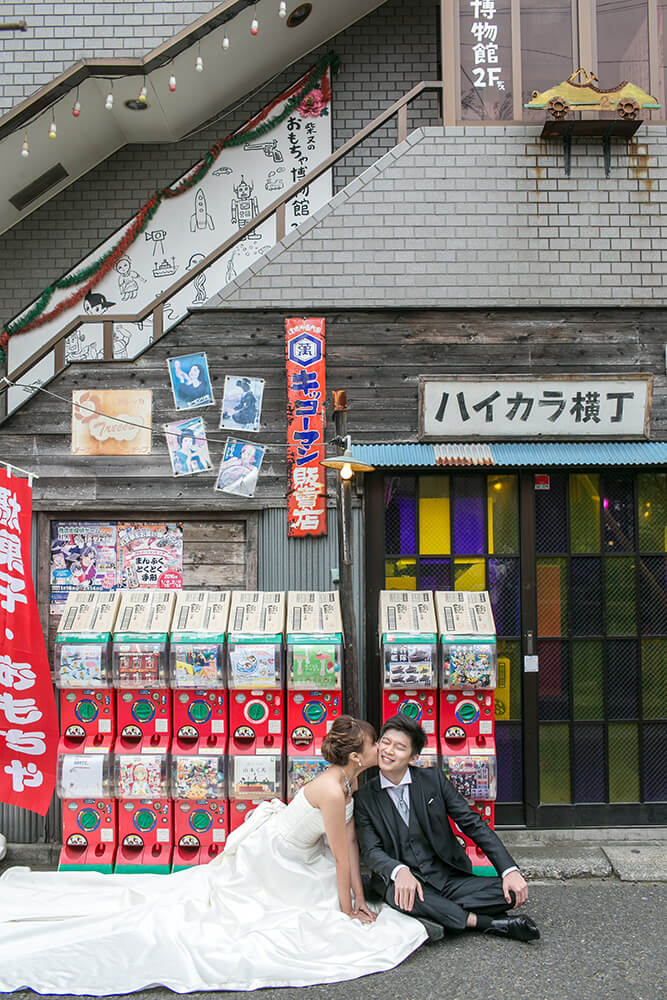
x=434 y=800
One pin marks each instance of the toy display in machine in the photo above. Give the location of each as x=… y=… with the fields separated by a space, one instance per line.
x=428 y=758
x=82 y=671
x=473 y=775
x=409 y=655
x=200 y=808
x=197 y=670
x=85 y=785
x=314 y=668
x=468 y=671
x=143 y=698
x=145 y=840
x=256 y=673
x=253 y=778
x=301 y=770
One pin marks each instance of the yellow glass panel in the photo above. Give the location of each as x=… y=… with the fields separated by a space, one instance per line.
x=434 y=516
x=400 y=574
x=623 y=762
x=469 y=574
x=555 y=763
x=503 y=515
x=584 y=512
x=652 y=497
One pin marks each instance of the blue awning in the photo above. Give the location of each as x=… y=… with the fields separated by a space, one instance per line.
x=517 y=454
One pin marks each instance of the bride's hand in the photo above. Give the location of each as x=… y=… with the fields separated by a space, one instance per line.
x=364 y=914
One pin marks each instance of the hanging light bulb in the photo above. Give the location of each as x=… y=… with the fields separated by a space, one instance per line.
x=143 y=93
x=25 y=148
x=282 y=10
x=52 y=126
x=76 y=110
x=199 y=62
x=108 y=104
x=254 y=24
x=225 y=41
x=172 y=81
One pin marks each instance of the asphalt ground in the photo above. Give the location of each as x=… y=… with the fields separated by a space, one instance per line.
x=601 y=938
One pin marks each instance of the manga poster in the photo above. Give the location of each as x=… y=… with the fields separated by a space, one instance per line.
x=83 y=557
x=150 y=556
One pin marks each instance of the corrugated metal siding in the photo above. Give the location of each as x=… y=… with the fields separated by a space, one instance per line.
x=395 y=454
x=534 y=453
x=305 y=563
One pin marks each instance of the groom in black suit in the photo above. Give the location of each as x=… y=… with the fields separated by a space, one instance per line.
x=417 y=863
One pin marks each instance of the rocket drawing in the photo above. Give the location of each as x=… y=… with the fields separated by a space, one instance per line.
x=200 y=219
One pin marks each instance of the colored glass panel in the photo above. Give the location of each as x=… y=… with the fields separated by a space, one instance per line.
x=505 y=595
x=551 y=597
x=510 y=769
x=469 y=528
x=400 y=574
x=554 y=763
x=434 y=515
x=654 y=761
x=553 y=680
x=551 y=516
x=587 y=680
x=623 y=762
x=622 y=679
x=652 y=573
x=503 y=514
x=400 y=517
x=652 y=511
x=584 y=512
x=654 y=678
x=469 y=574
x=586 y=596
x=589 y=764
x=619 y=591
x=435 y=574
x=618 y=513
x=508 y=687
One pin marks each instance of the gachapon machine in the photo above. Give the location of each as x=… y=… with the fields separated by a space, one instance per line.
x=253 y=778
x=145 y=813
x=314 y=669
x=140 y=674
x=255 y=672
x=85 y=785
x=197 y=670
x=82 y=671
x=409 y=655
x=301 y=770
x=201 y=822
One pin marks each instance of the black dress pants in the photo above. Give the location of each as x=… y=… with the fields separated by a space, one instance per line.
x=462 y=894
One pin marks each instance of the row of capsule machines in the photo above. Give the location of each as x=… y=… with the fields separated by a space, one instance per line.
x=439 y=667
x=177 y=710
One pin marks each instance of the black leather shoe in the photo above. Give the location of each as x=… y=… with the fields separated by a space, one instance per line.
x=519 y=928
x=436 y=932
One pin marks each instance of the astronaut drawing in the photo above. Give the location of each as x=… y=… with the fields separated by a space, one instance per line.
x=244 y=206
x=200 y=219
x=127 y=279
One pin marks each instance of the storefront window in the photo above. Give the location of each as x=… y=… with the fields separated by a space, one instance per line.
x=486 y=60
x=585 y=512
x=434 y=515
x=652 y=511
x=547 y=52
x=622 y=37
x=503 y=514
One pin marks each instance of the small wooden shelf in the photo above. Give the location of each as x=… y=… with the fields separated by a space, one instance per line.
x=593 y=128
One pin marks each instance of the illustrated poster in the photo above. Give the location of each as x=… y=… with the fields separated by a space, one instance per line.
x=188 y=447
x=111 y=421
x=83 y=557
x=242 y=403
x=150 y=556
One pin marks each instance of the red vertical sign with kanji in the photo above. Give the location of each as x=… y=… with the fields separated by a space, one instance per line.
x=306 y=396
x=28 y=716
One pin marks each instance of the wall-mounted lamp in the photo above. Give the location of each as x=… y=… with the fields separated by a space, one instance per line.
x=347 y=464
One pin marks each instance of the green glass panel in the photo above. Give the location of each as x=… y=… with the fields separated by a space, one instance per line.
x=623 y=762
x=584 y=512
x=503 y=515
x=654 y=678
x=652 y=513
x=434 y=516
x=552 y=597
x=400 y=574
x=470 y=574
x=508 y=689
x=619 y=591
x=587 y=680
x=555 y=763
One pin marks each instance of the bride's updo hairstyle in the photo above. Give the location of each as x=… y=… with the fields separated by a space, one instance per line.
x=346 y=736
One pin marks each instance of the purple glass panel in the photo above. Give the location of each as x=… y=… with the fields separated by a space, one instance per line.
x=504 y=591
x=400 y=520
x=510 y=777
x=469 y=527
x=435 y=574
x=589 y=764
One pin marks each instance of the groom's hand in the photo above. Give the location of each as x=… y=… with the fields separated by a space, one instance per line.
x=516 y=883
x=406 y=885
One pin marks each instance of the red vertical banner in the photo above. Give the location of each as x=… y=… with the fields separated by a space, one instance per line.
x=306 y=397
x=28 y=716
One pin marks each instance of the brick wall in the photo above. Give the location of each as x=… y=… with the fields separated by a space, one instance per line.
x=382 y=56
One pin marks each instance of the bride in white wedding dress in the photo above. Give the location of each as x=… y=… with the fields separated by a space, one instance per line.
x=277 y=908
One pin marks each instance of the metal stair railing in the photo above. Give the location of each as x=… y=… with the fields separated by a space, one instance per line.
x=155 y=308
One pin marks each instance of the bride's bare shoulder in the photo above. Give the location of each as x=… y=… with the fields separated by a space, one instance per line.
x=324 y=789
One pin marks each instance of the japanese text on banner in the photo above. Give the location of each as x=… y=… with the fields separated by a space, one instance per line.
x=306 y=395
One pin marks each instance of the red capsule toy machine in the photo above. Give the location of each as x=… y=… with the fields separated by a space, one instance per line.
x=201 y=819
x=140 y=675
x=145 y=813
x=253 y=778
x=314 y=669
x=197 y=671
x=82 y=671
x=468 y=675
x=255 y=673
x=301 y=770
x=409 y=655
x=85 y=785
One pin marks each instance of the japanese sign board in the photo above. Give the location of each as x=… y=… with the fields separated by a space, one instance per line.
x=201 y=611
x=306 y=396
x=314 y=612
x=257 y=612
x=521 y=406
x=407 y=612
x=466 y=612
x=28 y=716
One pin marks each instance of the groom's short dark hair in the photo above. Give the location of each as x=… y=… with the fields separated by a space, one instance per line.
x=411 y=729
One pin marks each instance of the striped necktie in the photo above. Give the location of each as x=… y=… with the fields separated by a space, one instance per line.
x=402 y=804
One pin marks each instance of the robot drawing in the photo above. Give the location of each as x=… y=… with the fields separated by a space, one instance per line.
x=244 y=206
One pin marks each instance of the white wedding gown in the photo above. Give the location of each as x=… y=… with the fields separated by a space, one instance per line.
x=264 y=913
